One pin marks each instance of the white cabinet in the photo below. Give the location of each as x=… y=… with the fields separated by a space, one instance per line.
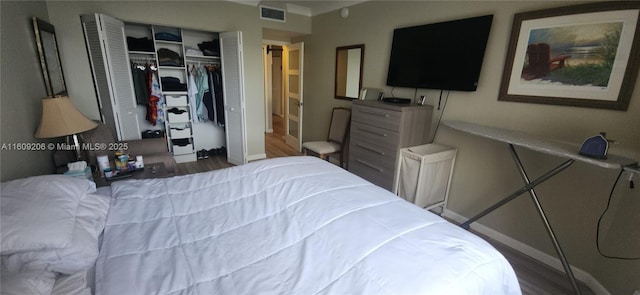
x=106 y=44
x=171 y=51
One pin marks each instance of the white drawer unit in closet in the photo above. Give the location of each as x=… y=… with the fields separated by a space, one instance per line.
x=182 y=146
x=177 y=131
x=175 y=100
x=177 y=115
x=378 y=132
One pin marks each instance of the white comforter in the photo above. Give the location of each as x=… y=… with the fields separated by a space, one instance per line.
x=294 y=225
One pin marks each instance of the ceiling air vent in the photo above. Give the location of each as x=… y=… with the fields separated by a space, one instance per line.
x=272 y=13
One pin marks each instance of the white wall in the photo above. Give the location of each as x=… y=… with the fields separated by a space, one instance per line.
x=215 y=16
x=484 y=171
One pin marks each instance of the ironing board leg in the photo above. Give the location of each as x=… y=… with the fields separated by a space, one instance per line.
x=554 y=240
x=522 y=190
x=529 y=185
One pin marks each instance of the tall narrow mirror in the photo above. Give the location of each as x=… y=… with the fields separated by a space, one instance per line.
x=49 y=59
x=349 y=64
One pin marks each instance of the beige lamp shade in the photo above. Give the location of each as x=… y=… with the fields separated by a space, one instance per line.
x=61 y=118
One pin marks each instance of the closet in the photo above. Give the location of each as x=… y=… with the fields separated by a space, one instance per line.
x=183 y=83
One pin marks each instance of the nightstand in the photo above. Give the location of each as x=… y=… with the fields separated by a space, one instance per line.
x=152 y=170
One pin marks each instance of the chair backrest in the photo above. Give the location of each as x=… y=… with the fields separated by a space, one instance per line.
x=340 y=122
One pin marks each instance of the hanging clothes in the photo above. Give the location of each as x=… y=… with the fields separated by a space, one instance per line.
x=140 y=83
x=192 y=93
x=155 y=100
x=201 y=79
x=208 y=99
x=218 y=99
x=160 y=109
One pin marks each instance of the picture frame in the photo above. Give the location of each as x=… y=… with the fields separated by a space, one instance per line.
x=47 y=45
x=583 y=55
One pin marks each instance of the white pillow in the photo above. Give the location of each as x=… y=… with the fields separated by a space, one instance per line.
x=83 y=251
x=33 y=282
x=39 y=212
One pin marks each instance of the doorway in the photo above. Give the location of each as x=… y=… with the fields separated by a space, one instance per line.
x=275 y=77
x=273 y=92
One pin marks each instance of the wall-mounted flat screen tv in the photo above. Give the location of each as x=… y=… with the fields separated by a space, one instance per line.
x=446 y=55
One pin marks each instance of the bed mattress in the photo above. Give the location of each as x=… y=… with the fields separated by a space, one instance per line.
x=295 y=225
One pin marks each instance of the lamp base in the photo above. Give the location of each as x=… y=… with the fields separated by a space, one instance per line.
x=74 y=144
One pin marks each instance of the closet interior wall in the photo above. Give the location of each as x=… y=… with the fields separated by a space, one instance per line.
x=173 y=53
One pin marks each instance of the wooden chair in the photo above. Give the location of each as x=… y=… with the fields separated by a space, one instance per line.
x=540 y=61
x=335 y=143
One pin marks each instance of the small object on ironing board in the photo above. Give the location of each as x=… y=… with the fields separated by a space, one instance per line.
x=595 y=147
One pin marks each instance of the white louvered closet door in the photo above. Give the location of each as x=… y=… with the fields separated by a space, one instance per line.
x=234 y=100
x=106 y=43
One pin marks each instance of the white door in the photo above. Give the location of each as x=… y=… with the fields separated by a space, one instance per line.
x=294 y=59
x=233 y=95
x=106 y=43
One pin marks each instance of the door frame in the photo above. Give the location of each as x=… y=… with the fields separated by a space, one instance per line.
x=295 y=143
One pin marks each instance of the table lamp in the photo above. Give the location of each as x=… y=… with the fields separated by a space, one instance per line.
x=61 y=118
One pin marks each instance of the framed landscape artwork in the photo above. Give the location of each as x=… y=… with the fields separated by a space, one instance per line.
x=583 y=55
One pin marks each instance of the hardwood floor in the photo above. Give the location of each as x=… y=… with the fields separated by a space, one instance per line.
x=274 y=147
x=274 y=142
x=535 y=278
x=203 y=165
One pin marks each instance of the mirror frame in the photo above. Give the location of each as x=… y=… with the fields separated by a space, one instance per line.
x=346 y=48
x=49 y=58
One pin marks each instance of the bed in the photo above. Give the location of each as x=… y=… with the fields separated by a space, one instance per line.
x=295 y=225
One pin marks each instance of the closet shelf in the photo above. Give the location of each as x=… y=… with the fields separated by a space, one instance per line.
x=143 y=53
x=171 y=67
x=201 y=57
x=168 y=92
x=168 y=42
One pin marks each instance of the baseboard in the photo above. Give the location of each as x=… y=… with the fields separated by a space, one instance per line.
x=536 y=254
x=256 y=157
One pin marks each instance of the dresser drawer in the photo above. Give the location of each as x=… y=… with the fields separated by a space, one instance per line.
x=377 y=175
x=382 y=137
x=372 y=153
x=379 y=117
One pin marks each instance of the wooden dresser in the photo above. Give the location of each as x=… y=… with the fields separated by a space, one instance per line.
x=378 y=132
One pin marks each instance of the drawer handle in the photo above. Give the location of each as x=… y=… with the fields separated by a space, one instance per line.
x=373 y=132
x=370 y=149
x=369 y=165
x=376 y=114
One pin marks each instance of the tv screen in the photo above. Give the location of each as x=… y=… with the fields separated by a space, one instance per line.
x=446 y=55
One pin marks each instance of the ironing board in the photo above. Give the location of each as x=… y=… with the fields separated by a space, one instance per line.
x=542 y=145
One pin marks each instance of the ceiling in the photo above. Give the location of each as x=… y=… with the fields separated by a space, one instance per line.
x=320 y=7
x=304 y=7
